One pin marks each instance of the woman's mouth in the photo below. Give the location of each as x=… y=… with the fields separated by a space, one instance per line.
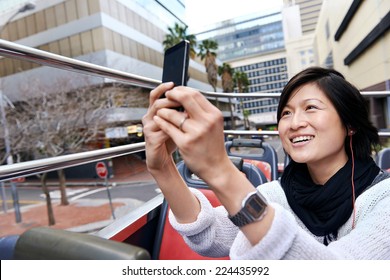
x=301 y=139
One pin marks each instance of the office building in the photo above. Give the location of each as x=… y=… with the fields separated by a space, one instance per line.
x=254 y=44
x=119 y=34
x=353 y=37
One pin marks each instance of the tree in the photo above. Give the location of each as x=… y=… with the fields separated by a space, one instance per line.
x=241 y=81
x=226 y=73
x=54 y=124
x=207 y=53
x=178 y=33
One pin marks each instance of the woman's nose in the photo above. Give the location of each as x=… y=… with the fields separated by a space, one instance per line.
x=298 y=120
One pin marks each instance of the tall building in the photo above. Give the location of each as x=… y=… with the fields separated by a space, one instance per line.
x=353 y=37
x=246 y=36
x=254 y=44
x=119 y=34
x=270 y=47
x=309 y=11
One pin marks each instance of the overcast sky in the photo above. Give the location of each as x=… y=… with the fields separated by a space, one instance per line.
x=198 y=17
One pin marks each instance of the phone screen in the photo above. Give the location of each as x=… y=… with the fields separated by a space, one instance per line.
x=176 y=61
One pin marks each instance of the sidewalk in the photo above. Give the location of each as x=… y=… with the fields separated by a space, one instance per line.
x=83 y=215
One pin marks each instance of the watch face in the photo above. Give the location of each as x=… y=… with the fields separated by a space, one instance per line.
x=255 y=206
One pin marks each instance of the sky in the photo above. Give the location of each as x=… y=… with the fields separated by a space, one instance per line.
x=198 y=17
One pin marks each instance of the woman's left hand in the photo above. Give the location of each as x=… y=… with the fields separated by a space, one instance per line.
x=198 y=133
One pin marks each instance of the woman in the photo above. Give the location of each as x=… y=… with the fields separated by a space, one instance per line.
x=315 y=211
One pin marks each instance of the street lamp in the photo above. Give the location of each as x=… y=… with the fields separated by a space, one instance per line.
x=18 y=218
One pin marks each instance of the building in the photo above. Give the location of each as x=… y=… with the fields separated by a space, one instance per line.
x=353 y=37
x=270 y=47
x=118 y=34
x=124 y=35
x=350 y=36
x=255 y=44
x=309 y=11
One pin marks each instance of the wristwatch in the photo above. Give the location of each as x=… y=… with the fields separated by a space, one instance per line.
x=254 y=208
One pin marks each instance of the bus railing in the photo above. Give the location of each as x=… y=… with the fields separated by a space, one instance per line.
x=33 y=167
x=17 y=51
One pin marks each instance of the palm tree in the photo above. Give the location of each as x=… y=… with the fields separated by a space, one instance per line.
x=241 y=82
x=226 y=73
x=177 y=33
x=207 y=52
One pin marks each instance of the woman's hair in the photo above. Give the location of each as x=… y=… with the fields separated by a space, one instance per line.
x=349 y=104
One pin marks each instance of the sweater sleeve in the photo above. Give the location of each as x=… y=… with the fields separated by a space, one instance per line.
x=285 y=240
x=212 y=234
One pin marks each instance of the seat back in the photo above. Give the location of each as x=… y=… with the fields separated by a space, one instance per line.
x=169 y=244
x=44 y=243
x=254 y=149
x=383 y=159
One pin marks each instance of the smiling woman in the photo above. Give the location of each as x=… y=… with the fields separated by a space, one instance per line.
x=310 y=207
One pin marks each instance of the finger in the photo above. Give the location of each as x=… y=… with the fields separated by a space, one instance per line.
x=170 y=129
x=156 y=139
x=157 y=92
x=157 y=105
x=195 y=103
x=172 y=116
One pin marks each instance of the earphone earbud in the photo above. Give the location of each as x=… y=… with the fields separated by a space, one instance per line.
x=351 y=132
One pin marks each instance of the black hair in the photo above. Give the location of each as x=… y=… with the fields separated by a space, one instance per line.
x=349 y=103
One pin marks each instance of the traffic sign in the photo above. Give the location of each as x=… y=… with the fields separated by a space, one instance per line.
x=101 y=169
x=18 y=180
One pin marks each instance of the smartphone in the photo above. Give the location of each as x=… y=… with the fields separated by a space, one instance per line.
x=176 y=61
x=175 y=69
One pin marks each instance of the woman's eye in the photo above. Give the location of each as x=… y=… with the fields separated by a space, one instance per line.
x=286 y=113
x=310 y=107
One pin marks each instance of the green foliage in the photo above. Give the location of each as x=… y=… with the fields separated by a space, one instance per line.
x=225 y=68
x=241 y=81
x=178 y=33
x=207 y=47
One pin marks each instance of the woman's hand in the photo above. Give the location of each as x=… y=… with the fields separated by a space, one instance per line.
x=198 y=132
x=158 y=145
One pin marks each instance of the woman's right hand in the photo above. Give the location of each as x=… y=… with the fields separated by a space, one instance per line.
x=158 y=145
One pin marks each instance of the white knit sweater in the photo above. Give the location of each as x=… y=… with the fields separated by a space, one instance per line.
x=212 y=234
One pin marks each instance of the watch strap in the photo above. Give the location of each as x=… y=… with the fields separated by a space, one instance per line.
x=246 y=216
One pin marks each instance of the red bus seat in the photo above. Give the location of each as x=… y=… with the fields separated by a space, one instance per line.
x=264 y=166
x=254 y=149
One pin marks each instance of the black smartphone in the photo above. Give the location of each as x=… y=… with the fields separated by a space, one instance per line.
x=175 y=69
x=176 y=61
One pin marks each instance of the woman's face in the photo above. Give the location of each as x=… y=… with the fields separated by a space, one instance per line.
x=311 y=130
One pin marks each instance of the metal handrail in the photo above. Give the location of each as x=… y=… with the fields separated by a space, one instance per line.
x=21 y=52
x=29 y=168
x=33 y=167
x=13 y=50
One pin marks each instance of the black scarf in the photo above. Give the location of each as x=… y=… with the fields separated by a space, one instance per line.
x=325 y=208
